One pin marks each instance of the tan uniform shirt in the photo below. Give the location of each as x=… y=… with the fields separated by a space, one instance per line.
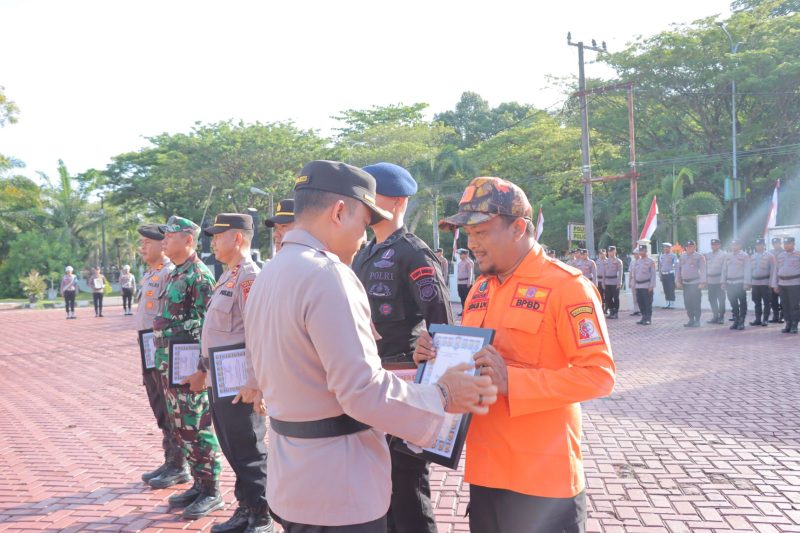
x=612 y=272
x=149 y=297
x=224 y=321
x=643 y=274
x=588 y=268
x=787 y=271
x=68 y=283
x=691 y=269
x=127 y=281
x=465 y=272
x=308 y=328
x=762 y=266
x=737 y=268
x=92 y=283
x=715 y=263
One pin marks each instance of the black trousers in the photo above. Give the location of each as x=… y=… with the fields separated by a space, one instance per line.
x=504 y=511
x=762 y=298
x=97 y=299
x=410 y=509
x=790 y=300
x=375 y=526
x=738 y=298
x=241 y=432
x=644 y=297
x=158 y=403
x=127 y=297
x=777 y=305
x=692 y=299
x=716 y=297
x=612 y=298
x=668 y=283
x=69 y=301
x=463 y=291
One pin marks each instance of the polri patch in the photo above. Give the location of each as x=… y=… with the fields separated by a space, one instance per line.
x=385 y=309
x=245 y=285
x=427 y=289
x=530 y=297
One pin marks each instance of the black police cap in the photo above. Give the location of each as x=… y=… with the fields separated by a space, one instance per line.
x=284 y=213
x=612 y=248
x=788 y=240
x=776 y=240
x=346 y=180
x=151 y=232
x=715 y=241
x=642 y=247
x=691 y=243
x=226 y=221
x=760 y=241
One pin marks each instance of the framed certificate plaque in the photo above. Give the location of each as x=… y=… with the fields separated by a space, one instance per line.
x=454 y=345
x=228 y=367
x=147 y=349
x=184 y=355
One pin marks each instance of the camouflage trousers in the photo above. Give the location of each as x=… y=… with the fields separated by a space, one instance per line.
x=190 y=417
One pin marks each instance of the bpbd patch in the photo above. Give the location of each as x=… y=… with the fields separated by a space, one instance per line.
x=530 y=297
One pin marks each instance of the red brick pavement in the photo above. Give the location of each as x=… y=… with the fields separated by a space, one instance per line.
x=702 y=433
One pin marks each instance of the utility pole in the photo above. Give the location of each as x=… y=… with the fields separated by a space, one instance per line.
x=734 y=49
x=588 y=214
x=103 y=232
x=435 y=221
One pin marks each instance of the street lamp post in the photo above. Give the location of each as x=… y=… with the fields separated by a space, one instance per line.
x=103 y=232
x=256 y=190
x=734 y=177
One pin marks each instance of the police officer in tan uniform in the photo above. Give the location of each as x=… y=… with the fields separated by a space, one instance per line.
x=240 y=425
x=786 y=281
x=149 y=307
x=308 y=329
x=715 y=263
x=643 y=280
x=690 y=275
x=736 y=282
x=281 y=222
x=776 y=303
x=612 y=281
x=762 y=264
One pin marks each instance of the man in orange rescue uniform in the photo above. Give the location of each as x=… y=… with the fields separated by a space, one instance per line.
x=551 y=351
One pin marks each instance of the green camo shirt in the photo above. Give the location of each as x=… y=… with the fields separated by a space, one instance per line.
x=185 y=297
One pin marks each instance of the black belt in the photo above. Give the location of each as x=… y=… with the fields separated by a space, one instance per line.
x=760 y=277
x=642 y=280
x=318 y=429
x=690 y=280
x=789 y=277
x=667 y=273
x=734 y=280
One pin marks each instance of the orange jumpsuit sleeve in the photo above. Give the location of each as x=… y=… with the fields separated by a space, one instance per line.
x=581 y=340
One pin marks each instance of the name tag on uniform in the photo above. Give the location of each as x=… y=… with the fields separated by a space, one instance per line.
x=184 y=356
x=228 y=370
x=147 y=349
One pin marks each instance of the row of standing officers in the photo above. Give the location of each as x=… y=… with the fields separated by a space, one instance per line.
x=773 y=276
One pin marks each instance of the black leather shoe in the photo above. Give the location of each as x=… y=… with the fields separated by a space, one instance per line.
x=636 y=313
x=735 y=325
x=689 y=324
x=787 y=329
x=185 y=498
x=794 y=329
x=696 y=323
x=755 y=323
x=260 y=523
x=740 y=325
x=147 y=476
x=236 y=523
x=764 y=324
x=208 y=501
x=641 y=322
x=171 y=476
x=647 y=322
x=712 y=321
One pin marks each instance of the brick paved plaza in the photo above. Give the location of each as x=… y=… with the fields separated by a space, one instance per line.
x=701 y=434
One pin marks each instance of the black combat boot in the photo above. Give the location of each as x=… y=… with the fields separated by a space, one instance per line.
x=735 y=324
x=147 y=476
x=757 y=321
x=260 y=522
x=171 y=476
x=794 y=328
x=186 y=497
x=209 y=500
x=740 y=324
x=236 y=523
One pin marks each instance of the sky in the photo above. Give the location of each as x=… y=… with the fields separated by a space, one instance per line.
x=92 y=79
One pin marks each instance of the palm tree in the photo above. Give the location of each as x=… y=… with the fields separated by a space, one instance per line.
x=679 y=210
x=68 y=205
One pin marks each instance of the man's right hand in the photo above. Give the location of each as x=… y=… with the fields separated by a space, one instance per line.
x=678 y=285
x=466 y=393
x=424 y=349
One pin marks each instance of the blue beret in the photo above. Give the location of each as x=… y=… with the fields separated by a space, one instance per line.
x=392 y=180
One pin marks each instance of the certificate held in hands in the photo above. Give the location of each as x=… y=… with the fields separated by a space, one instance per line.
x=228 y=370
x=184 y=355
x=147 y=349
x=454 y=345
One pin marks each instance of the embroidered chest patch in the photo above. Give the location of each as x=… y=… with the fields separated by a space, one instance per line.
x=530 y=297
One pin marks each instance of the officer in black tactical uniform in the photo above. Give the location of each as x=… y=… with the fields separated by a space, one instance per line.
x=406 y=290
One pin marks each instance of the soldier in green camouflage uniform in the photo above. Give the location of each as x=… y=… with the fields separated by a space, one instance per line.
x=188 y=289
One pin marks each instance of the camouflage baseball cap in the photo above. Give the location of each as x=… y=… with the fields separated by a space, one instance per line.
x=177 y=224
x=484 y=199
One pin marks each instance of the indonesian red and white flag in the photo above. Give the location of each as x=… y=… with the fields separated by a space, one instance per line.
x=772 y=218
x=539 y=224
x=651 y=223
